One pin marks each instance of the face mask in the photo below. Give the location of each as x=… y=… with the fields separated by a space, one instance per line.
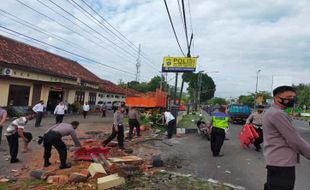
x=260 y=111
x=289 y=104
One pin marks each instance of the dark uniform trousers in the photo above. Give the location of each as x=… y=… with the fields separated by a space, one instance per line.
x=217 y=140
x=260 y=138
x=120 y=136
x=38 y=119
x=53 y=138
x=171 y=128
x=59 y=118
x=133 y=123
x=13 y=143
x=280 y=178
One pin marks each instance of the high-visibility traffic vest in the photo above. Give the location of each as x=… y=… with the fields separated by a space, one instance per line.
x=220 y=120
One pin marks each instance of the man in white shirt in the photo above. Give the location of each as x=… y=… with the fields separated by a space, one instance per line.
x=85 y=109
x=60 y=112
x=16 y=130
x=169 y=122
x=38 y=109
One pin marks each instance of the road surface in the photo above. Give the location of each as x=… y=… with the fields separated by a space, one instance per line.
x=241 y=167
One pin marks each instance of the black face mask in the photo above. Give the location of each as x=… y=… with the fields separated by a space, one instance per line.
x=289 y=104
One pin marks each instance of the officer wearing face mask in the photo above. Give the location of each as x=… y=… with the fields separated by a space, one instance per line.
x=282 y=144
x=117 y=128
x=256 y=119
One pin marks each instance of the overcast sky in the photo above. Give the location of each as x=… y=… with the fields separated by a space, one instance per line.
x=235 y=37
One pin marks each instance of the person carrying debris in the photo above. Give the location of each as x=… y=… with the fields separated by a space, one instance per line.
x=219 y=123
x=117 y=128
x=52 y=137
x=256 y=119
x=134 y=119
x=169 y=122
x=16 y=130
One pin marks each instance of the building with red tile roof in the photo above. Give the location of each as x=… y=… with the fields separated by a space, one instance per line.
x=29 y=74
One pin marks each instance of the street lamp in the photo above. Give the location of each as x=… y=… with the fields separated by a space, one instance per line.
x=256 y=88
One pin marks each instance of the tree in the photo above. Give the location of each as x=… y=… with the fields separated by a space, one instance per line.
x=249 y=99
x=155 y=83
x=217 y=100
x=303 y=94
x=207 y=87
x=246 y=100
x=145 y=86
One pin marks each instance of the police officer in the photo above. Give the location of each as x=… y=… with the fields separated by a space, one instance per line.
x=133 y=117
x=117 y=129
x=256 y=119
x=219 y=123
x=53 y=136
x=16 y=130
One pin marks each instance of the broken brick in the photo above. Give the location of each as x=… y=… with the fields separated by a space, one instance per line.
x=58 y=179
x=96 y=170
x=129 y=170
x=77 y=177
x=110 y=181
x=41 y=174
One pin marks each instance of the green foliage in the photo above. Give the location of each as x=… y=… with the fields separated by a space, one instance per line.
x=249 y=99
x=246 y=100
x=303 y=94
x=207 y=85
x=12 y=112
x=145 y=86
x=76 y=106
x=217 y=100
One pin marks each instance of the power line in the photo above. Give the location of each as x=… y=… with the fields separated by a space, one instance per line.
x=69 y=52
x=185 y=26
x=123 y=36
x=91 y=17
x=124 y=50
x=190 y=18
x=106 y=29
x=171 y=23
x=28 y=24
x=78 y=33
x=40 y=30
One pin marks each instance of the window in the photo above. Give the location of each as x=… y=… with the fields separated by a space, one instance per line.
x=92 y=98
x=108 y=96
x=79 y=96
x=18 y=95
x=116 y=96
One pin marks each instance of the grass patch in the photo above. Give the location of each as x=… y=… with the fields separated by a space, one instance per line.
x=25 y=184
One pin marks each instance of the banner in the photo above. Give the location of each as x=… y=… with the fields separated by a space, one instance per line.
x=179 y=64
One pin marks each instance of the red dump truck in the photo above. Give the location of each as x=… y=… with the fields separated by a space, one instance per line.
x=157 y=99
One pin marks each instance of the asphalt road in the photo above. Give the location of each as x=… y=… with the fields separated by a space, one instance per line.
x=240 y=167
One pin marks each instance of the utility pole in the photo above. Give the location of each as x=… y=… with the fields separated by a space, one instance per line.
x=175 y=88
x=256 y=89
x=199 y=88
x=138 y=64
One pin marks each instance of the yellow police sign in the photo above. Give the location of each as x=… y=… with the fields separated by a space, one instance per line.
x=179 y=64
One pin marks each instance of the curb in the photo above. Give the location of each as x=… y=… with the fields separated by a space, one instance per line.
x=300 y=119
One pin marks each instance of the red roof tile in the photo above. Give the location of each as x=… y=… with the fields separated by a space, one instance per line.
x=110 y=87
x=18 y=53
